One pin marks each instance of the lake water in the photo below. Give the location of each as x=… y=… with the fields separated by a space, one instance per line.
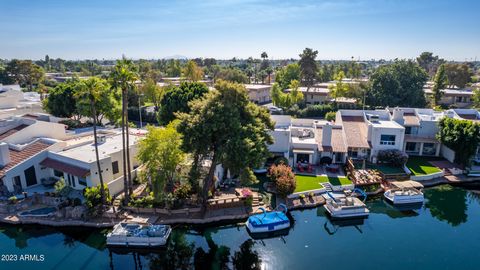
x=443 y=234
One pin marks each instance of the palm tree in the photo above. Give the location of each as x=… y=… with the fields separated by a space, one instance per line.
x=90 y=90
x=124 y=76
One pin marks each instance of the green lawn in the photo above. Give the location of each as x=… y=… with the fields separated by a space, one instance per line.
x=421 y=166
x=306 y=182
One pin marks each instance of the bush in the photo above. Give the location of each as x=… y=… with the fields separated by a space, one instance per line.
x=247 y=177
x=143 y=202
x=77 y=202
x=315 y=111
x=183 y=191
x=281 y=160
x=73 y=124
x=12 y=200
x=283 y=178
x=285 y=185
x=93 y=198
x=61 y=188
x=330 y=116
x=392 y=156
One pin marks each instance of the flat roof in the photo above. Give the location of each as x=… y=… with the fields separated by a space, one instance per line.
x=86 y=152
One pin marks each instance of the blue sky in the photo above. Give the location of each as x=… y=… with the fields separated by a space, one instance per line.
x=338 y=29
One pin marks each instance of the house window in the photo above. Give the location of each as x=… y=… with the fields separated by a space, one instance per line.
x=115 y=169
x=387 y=139
x=429 y=149
x=411 y=147
x=57 y=173
x=408 y=130
x=82 y=181
x=459 y=99
x=353 y=153
x=17 y=181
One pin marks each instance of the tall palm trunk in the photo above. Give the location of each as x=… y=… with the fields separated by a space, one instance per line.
x=94 y=116
x=127 y=146
x=124 y=153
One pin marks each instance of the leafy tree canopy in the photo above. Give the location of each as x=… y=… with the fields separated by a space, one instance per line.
x=176 y=99
x=308 y=66
x=462 y=136
x=398 y=84
x=229 y=129
x=287 y=74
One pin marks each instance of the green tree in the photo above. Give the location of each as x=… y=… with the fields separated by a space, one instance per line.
x=160 y=152
x=476 y=98
x=174 y=68
x=398 y=84
x=192 y=72
x=462 y=136
x=429 y=62
x=440 y=82
x=308 y=66
x=277 y=94
x=92 y=91
x=232 y=75
x=339 y=88
x=287 y=74
x=25 y=73
x=153 y=92
x=123 y=77
x=458 y=74
x=228 y=128
x=105 y=101
x=61 y=101
x=176 y=99
x=296 y=96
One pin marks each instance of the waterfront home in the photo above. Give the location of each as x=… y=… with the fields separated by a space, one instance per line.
x=281 y=136
x=367 y=132
x=421 y=127
x=259 y=93
x=76 y=161
x=35 y=152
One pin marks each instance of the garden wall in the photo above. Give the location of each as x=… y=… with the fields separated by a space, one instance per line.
x=426 y=176
x=447 y=153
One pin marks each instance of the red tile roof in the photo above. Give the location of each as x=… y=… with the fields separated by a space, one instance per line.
x=17 y=157
x=12 y=131
x=65 y=167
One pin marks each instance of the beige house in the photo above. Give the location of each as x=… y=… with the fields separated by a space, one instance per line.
x=259 y=93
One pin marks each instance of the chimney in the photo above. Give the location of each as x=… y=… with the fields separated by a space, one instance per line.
x=327 y=135
x=4 y=154
x=398 y=116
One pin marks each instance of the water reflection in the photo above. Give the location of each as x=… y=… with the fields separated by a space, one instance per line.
x=314 y=238
x=331 y=226
x=247 y=257
x=447 y=203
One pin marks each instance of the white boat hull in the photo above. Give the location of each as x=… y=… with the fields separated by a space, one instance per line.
x=360 y=213
x=266 y=229
x=403 y=199
x=136 y=241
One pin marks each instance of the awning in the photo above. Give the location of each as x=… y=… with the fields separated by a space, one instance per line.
x=65 y=167
x=303 y=151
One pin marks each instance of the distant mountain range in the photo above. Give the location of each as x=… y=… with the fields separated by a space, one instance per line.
x=176 y=56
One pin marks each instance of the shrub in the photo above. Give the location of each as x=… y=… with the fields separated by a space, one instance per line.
x=249 y=200
x=61 y=188
x=12 y=200
x=283 y=177
x=182 y=191
x=302 y=196
x=247 y=177
x=392 y=156
x=315 y=111
x=311 y=195
x=281 y=160
x=330 y=116
x=285 y=185
x=93 y=198
x=77 y=202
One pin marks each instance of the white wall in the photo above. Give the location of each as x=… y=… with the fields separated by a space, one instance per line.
x=376 y=135
x=36 y=130
x=447 y=153
x=281 y=141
